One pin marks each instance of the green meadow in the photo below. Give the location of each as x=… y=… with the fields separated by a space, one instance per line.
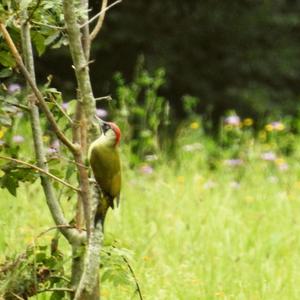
x=219 y=220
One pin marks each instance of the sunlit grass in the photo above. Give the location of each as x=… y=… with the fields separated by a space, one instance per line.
x=228 y=232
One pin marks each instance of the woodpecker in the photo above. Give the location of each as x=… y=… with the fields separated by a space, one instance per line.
x=104 y=158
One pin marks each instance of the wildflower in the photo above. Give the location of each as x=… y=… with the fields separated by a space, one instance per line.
x=65 y=105
x=275 y=126
x=273 y=179
x=151 y=157
x=192 y=147
x=18 y=139
x=194 y=125
x=233 y=120
x=2 y=131
x=278 y=126
x=233 y=162
x=269 y=127
x=51 y=150
x=146 y=169
x=248 y=122
x=235 y=185
x=13 y=88
x=269 y=156
x=180 y=179
x=55 y=144
x=46 y=138
x=249 y=199
x=209 y=185
x=101 y=113
x=281 y=164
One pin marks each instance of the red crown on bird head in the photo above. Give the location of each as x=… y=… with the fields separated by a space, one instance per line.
x=117 y=131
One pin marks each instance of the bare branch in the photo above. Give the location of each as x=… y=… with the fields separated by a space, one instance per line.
x=40 y=171
x=99 y=24
x=101 y=12
x=34 y=9
x=36 y=91
x=48 y=25
x=56 y=290
x=107 y=98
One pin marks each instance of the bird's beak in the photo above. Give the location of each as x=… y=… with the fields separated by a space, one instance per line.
x=101 y=123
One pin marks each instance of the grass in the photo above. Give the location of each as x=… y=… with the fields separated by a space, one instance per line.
x=196 y=232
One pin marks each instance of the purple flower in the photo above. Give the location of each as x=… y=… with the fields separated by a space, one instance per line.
x=13 y=88
x=18 y=139
x=209 y=185
x=146 y=169
x=269 y=156
x=55 y=144
x=101 y=113
x=65 y=105
x=51 y=150
x=233 y=162
x=283 y=167
x=232 y=120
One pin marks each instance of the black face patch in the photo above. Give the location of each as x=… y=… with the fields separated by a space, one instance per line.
x=105 y=127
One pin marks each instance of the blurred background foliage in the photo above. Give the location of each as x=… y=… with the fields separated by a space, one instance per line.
x=241 y=55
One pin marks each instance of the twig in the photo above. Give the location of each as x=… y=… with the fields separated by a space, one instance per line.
x=38 y=94
x=108 y=98
x=34 y=9
x=41 y=171
x=99 y=24
x=61 y=110
x=21 y=106
x=17 y=296
x=52 y=228
x=56 y=290
x=60 y=277
x=138 y=289
x=48 y=25
x=100 y=13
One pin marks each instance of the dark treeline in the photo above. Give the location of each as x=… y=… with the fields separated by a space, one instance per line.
x=242 y=55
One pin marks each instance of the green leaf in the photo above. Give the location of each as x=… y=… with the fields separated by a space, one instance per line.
x=51 y=38
x=57 y=295
x=5 y=72
x=6 y=59
x=10 y=183
x=5 y=121
x=39 y=42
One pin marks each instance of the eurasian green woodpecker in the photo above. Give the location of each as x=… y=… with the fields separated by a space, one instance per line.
x=104 y=159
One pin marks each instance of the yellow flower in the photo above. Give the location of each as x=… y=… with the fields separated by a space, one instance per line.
x=280 y=127
x=220 y=294
x=46 y=138
x=249 y=199
x=194 y=125
x=2 y=131
x=180 y=179
x=269 y=127
x=279 y=161
x=248 y=122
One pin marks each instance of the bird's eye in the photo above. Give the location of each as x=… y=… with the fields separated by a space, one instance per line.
x=105 y=127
